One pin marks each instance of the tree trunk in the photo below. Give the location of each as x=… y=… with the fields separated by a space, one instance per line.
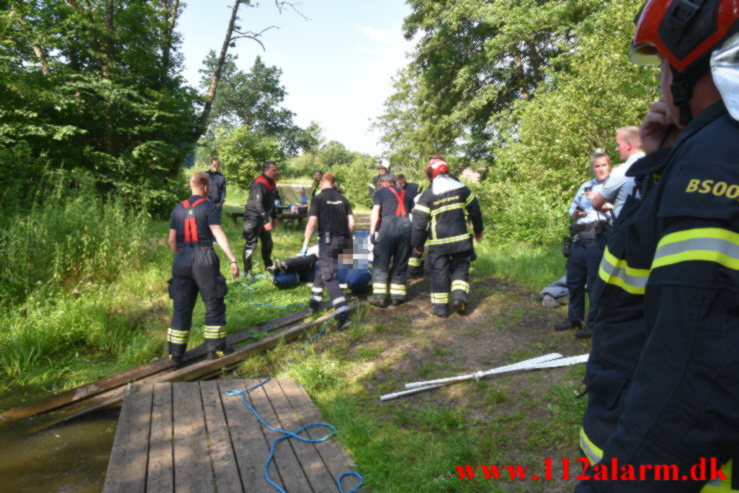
x=170 y=12
x=203 y=121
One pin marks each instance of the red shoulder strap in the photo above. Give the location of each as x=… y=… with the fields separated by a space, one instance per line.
x=191 y=229
x=263 y=180
x=400 y=210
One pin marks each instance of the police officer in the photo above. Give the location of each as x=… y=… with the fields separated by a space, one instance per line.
x=393 y=244
x=442 y=213
x=585 y=252
x=663 y=375
x=217 y=191
x=331 y=214
x=260 y=216
x=193 y=227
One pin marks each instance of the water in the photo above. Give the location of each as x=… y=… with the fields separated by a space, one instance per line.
x=70 y=457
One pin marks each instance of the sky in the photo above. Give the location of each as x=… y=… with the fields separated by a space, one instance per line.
x=337 y=66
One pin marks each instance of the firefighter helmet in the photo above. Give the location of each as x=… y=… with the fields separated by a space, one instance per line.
x=435 y=167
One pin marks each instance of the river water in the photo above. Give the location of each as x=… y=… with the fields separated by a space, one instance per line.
x=71 y=457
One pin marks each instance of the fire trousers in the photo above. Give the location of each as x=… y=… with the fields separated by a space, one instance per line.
x=390 y=263
x=449 y=274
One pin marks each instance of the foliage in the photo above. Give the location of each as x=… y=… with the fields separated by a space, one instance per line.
x=92 y=86
x=526 y=88
x=242 y=152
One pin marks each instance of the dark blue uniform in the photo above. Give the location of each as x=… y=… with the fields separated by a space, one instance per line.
x=664 y=371
x=196 y=269
x=390 y=255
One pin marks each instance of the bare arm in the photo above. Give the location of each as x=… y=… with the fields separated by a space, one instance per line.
x=598 y=201
x=222 y=241
x=374 y=218
x=350 y=219
x=172 y=240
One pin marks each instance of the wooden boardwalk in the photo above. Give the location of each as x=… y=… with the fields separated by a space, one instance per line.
x=192 y=437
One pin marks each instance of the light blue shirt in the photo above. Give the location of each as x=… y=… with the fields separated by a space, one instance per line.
x=587 y=205
x=618 y=186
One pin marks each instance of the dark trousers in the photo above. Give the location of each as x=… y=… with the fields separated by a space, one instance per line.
x=253 y=232
x=449 y=274
x=328 y=258
x=390 y=258
x=582 y=270
x=196 y=269
x=300 y=264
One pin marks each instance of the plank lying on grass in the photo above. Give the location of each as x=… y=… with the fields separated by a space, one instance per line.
x=193 y=371
x=123 y=378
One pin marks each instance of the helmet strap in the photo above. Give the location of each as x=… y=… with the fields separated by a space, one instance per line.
x=682 y=91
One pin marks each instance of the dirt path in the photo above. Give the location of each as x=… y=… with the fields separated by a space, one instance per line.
x=512 y=419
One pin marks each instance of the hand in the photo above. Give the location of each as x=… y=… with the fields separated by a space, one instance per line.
x=235 y=270
x=578 y=214
x=478 y=237
x=268 y=226
x=418 y=251
x=606 y=207
x=373 y=238
x=655 y=125
x=304 y=251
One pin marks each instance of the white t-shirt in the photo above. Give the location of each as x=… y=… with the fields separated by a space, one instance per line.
x=618 y=186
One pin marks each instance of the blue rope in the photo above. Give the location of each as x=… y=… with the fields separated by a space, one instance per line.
x=296 y=434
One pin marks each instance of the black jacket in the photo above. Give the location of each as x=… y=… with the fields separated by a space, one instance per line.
x=261 y=203
x=443 y=212
x=217 y=191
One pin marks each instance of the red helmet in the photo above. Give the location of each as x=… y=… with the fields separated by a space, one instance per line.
x=682 y=31
x=435 y=167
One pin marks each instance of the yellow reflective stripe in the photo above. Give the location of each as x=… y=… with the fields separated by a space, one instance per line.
x=379 y=288
x=461 y=286
x=591 y=450
x=213 y=332
x=446 y=208
x=177 y=336
x=451 y=239
x=439 y=297
x=414 y=262
x=421 y=208
x=706 y=244
x=470 y=198
x=617 y=272
x=397 y=289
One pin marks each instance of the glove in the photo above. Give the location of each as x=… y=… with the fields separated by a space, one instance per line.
x=373 y=238
x=304 y=251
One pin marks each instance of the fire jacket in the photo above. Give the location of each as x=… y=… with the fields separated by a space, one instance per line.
x=442 y=214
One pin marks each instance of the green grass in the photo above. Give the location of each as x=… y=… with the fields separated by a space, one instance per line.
x=533 y=266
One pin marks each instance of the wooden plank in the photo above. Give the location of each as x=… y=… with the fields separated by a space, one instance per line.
x=160 y=477
x=250 y=446
x=127 y=463
x=191 y=371
x=293 y=478
x=222 y=456
x=71 y=396
x=335 y=457
x=310 y=461
x=192 y=468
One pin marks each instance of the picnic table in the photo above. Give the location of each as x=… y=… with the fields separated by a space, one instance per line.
x=284 y=214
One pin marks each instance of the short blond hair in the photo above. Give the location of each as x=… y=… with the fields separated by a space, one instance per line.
x=329 y=178
x=200 y=180
x=631 y=135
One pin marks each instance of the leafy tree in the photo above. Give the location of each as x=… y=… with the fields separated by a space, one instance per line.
x=242 y=152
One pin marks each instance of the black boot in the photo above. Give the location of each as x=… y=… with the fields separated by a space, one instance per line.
x=342 y=321
x=313 y=306
x=459 y=306
x=566 y=325
x=441 y=311
x=584 y=333
x=376 y=300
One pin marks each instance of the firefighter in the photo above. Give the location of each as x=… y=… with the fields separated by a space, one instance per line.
x=383 y=166
x=663 y=375
x=442 y=212
x=331 y=214
x=193 y=227
x=393 y=242
x=260 y=216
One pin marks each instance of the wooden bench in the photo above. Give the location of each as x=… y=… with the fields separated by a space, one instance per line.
x=192 y=437
x=282 y=215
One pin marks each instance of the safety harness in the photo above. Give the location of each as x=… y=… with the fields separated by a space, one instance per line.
x=270 y=184
x=400 y=210
x=191 y=229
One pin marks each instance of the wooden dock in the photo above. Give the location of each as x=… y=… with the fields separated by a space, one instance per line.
x=192 y=437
